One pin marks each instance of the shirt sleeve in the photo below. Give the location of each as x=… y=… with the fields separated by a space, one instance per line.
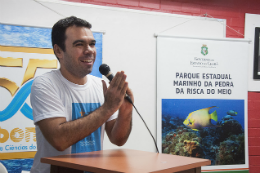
x=114 y=116
x=45 y=100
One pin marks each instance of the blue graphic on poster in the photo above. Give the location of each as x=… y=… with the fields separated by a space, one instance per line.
x=204 y=128
x=17 y=102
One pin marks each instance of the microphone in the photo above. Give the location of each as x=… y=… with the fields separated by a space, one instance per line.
x=105 y=70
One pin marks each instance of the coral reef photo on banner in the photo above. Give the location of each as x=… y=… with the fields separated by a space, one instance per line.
x=204 y=128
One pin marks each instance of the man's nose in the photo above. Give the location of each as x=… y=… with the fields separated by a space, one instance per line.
x=89 y=49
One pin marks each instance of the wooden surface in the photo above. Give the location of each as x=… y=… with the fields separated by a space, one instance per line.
x=126 y=160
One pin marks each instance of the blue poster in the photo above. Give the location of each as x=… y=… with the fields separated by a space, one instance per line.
x=17 y=46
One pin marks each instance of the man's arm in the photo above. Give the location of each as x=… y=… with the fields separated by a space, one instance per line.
x=118 y=130
x=62 y=134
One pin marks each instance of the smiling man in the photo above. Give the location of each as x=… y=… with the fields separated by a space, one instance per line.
x=72 y=108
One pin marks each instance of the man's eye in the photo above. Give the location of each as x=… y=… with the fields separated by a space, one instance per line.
x=92 y=44
x=79 y=44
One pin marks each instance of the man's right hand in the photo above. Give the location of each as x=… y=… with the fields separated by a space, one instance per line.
x=115 y=93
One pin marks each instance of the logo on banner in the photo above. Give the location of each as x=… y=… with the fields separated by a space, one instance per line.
x=204 y=50
x=20 y=95
x=19 y=135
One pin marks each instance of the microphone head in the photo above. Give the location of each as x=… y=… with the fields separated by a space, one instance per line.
x=104 y=69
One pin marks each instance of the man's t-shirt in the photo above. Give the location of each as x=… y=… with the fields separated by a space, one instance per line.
x=54 y=96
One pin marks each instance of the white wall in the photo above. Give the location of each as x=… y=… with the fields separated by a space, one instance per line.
x=129 y=45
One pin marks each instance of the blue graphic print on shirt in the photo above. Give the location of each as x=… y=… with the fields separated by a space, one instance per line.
x=93 y=141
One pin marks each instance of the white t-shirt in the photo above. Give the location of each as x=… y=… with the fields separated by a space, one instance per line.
x=54 y=96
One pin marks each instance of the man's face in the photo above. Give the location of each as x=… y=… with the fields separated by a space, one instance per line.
x=80 y=52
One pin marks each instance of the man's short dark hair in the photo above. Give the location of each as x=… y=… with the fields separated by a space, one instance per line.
x=58 y=30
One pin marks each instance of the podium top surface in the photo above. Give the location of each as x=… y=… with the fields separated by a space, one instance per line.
x=126 y=160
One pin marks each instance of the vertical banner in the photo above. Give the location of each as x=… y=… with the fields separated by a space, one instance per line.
x=202 y=100
x=25 y=52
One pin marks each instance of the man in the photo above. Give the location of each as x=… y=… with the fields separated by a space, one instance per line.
x=71 y=108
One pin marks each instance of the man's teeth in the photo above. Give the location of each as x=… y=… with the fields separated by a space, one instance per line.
x=87 y=60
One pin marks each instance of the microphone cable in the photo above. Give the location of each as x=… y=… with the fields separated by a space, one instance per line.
x=145 y=125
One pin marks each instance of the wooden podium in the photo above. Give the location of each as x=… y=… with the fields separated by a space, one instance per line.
x=124 y=160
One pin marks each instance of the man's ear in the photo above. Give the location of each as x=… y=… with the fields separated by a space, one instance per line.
x=58 y=51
